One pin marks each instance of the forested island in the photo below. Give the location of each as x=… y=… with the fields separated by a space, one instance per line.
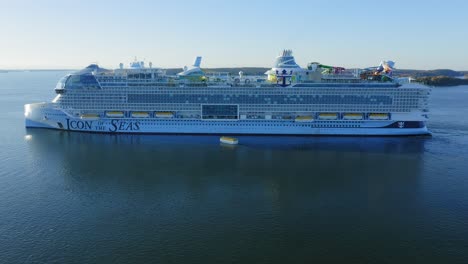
x=442 y=81
x=441 y=77
x=428 y=73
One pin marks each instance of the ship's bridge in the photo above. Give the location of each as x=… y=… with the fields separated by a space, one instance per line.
x=84 y=78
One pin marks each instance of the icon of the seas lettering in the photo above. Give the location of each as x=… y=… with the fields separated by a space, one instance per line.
x=79 y=124
x=119 y=125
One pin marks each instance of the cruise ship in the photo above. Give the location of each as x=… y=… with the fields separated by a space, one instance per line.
x=289 y=100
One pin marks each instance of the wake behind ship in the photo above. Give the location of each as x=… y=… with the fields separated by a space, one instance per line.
x=317 y=100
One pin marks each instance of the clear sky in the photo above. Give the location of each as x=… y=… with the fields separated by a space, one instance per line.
x=72 y=34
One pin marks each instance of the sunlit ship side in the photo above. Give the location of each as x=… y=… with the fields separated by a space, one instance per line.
x=317 y=100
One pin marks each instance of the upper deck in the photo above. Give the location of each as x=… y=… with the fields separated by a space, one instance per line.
x=285 y=73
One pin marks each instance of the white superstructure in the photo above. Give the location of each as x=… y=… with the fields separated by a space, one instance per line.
x=317 y=100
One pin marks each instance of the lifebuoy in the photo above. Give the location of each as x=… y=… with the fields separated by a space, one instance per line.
x=247 y=81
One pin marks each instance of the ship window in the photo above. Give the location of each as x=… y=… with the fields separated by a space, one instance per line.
x=220 y=111
x=82 y=81
x=61 y=83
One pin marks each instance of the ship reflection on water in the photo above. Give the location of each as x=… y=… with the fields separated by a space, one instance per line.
x=202 y=158
x=174 y=190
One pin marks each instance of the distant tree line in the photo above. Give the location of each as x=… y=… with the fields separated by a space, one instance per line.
x=428 y=73
x=442 y=81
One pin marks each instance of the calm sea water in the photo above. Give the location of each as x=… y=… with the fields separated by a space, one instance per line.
x=93 y=198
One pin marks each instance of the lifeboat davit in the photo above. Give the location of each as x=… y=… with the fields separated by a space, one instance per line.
x=89 y=116
x=353 y=116
x=114 y=114
x=379 y=116
x=140 y=114
x=328 y=116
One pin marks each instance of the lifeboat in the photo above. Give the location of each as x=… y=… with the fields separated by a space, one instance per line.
x=114 y=114
x=164 y=114
x=379 y=116
x=304 y=119
x=89 y=116
x=353 y=116
x=140 y=114
x=328 y=116
x=229 y=140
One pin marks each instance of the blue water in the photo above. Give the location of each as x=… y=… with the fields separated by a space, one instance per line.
x=68 y=197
